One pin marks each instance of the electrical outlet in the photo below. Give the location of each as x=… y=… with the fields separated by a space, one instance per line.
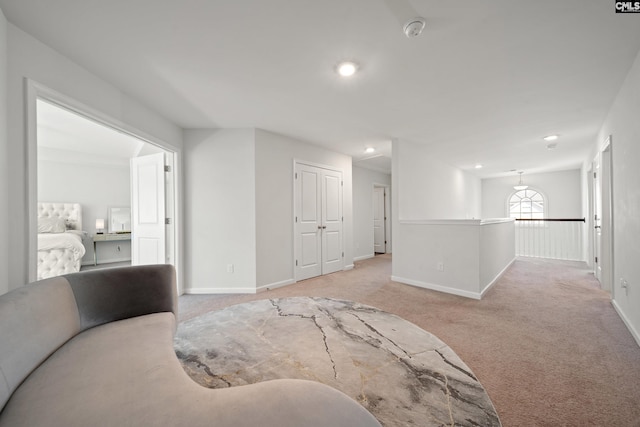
x=229 y=268
x=624 y=285
x=440 y=266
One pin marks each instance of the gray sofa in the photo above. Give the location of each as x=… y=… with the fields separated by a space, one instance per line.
x=96 y=349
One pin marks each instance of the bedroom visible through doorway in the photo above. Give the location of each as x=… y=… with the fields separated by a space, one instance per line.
x=87 y=164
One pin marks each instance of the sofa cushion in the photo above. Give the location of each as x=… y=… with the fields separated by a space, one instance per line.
x=110 y=294
x=35 y=320
x=103 y=373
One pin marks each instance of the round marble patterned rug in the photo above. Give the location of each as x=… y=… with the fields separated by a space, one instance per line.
x=402 y=374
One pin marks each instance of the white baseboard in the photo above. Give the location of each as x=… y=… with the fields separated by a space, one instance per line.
x=275 y=285
x=363 y=257
x=626 y=321
x=348 y=267
x=200 y=291
x=203 y=291
x=439 y=288
x=495 y=279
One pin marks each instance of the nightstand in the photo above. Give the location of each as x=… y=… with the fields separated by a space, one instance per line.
x=107 y=237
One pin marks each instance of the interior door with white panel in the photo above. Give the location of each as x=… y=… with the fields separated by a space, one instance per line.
x=318 y=221
x=148 y=241
x=379 y=244
x=331 y=221
x=308 y=223
x=597 y=219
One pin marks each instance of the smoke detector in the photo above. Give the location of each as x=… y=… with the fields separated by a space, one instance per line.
x=413 y=27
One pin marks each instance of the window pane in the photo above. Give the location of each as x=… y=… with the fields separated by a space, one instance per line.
x=526 y=204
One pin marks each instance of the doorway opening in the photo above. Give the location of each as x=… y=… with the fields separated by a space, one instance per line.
x=381 y=215
x=601 y=209
x=81 y=157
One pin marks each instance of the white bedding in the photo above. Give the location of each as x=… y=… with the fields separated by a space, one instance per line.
x=71 y=239
x=59 y=253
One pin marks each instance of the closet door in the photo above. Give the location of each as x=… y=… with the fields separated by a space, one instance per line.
x=317 y=221
x=331 y=221
x=308 y=222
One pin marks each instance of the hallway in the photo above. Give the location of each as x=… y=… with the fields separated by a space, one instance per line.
x=544 y=341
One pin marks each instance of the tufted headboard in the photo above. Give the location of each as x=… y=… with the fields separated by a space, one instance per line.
x=70 y=212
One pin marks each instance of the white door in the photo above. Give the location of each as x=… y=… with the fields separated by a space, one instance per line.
x=308 y=222
x=148 y=241
x=331 y=221
x=318 y=221
x=597 y=219
x=605 y=259
x=379 y=244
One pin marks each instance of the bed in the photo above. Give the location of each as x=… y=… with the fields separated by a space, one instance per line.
x=60 y=248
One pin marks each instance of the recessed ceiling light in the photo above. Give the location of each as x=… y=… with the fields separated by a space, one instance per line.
x=478 y=166
x=551 y=137
x=347 y=69
x=370 y=150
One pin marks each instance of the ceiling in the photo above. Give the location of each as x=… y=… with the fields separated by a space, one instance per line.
x=67 y=137
x=485 y=81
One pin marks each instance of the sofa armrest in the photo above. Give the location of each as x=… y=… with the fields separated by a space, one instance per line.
x=112 y=294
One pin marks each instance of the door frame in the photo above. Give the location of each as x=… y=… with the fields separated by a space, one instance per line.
x=35 y=90
x=296 y=162
x=596 y=226
x=604 y=157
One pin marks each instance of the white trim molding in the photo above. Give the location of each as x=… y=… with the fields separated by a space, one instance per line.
x=214 y=291
x=626 y=322
x=456 y=221
x=439 y=288
x=363 y=257
x=495 y=279
x=275 y=285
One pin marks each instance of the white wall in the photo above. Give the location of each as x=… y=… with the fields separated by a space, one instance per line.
x=29 y=58
x=96 y=187
x=220 y=211
x=562 y=191
x=4 y=169
x=418 y=249
x=425 y=188
x=623 y=124
x=363 y=183
x=461 y=257
x=496 y=251
x=432 y=189
x=274 y=160
x=239 y=208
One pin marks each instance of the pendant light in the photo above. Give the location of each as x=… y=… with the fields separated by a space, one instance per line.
x=520 y=185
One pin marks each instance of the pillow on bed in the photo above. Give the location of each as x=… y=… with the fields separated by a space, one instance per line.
x=51 y=225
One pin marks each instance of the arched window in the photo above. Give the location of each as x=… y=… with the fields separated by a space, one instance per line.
x=526 y=204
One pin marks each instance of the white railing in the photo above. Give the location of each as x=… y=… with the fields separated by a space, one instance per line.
x=550 y=238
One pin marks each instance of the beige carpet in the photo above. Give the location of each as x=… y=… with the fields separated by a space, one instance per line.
x=545 y=341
